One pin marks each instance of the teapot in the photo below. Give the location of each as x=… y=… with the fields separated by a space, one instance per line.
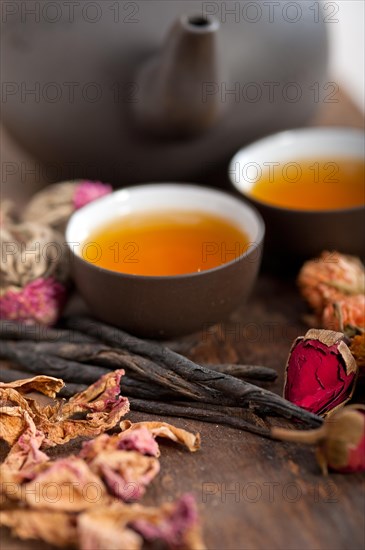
x=133 y=91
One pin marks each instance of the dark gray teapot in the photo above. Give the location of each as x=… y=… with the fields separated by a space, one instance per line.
x=156 y=90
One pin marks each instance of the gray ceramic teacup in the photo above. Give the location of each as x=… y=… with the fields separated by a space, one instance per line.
x=295 y=232
x=165 y=306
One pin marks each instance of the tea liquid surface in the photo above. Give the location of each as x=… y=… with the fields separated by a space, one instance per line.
x=166 y=242
x=313 y=185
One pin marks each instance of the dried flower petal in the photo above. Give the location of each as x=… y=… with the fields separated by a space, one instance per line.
x=321 y=372
x=176 y=525
x=348 y=311
x=66 y=484
x=81 y=495
x=13 y=423
x=104 y=442
x=163 y=429
x=48 y=385
x=104 y=530
x=102 y=403
x=329 y=278
x=88 y=191
x=100 y=396
x=53 y=527
x=140 y=440
x=23 y=458
x=13 y=420
x=125 y=473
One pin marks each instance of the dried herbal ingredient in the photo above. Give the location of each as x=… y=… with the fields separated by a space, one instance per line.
x=345 y=314
x=357 y=348
x=55 y=204
x=165 y=430
x=329 y=278
x=204 y=385
x=340 y=442
x=321 y=372
x=33 y=286
x=79 y=501
x=100 y=405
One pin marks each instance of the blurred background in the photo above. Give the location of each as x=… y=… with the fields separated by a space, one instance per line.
x=347 y=47
x=346 y=71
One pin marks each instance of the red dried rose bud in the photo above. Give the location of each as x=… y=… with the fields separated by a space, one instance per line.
x=321 y=371
x=340 y=441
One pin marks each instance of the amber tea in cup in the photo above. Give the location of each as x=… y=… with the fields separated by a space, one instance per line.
x=316 y=184
x=308 y=184
x=165 y=243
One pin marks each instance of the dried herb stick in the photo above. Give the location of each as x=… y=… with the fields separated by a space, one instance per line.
x=245 y=372
x=101 y=355
x=34 y=362
x=77 y=373
x=211 y=414
x=135 y=366
x=11 y=330
x=233 y=390
x=140 y=381
x=216 y=415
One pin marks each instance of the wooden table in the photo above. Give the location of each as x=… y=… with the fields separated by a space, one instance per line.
x=253 y=493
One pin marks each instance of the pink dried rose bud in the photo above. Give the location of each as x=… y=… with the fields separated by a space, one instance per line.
x=55 y=204
x=340 y=441
x=88 y=191
x=40 y=301
x=34 y=273
x=347 y=312
x=321 y=371
x=329 y=278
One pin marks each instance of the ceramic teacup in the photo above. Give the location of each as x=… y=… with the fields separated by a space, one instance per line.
x=165 y=306
x=295 y=232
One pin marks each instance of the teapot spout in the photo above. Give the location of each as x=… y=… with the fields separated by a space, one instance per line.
x=172 y=86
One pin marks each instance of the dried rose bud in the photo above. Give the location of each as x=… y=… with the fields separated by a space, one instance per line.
x=56 y=203
x=34 y=273
x=88 y=191
x=31 y=251
x=349 y=311
x=329 y=278
x=40 y=302
x=321 y=371
x=340 y=441
x=357 y=349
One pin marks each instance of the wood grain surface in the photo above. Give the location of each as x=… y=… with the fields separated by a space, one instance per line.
x=254 y=493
